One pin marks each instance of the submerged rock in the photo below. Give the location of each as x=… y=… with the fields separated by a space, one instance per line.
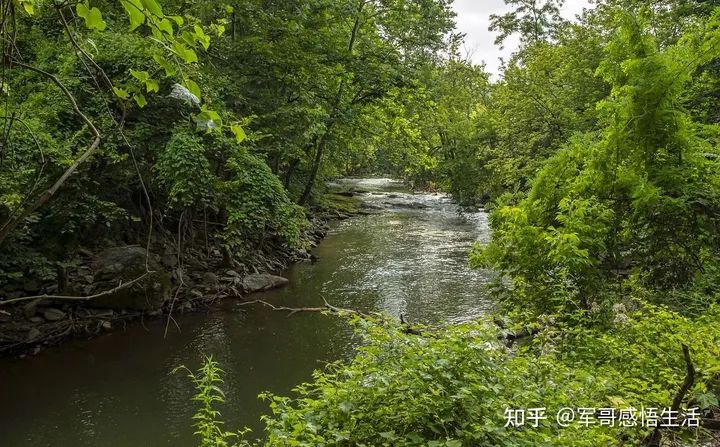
x=263 y=281
x=127 y=264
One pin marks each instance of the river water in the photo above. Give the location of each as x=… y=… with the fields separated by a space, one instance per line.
x=118 y=390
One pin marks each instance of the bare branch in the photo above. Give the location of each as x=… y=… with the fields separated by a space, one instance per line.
x=11 y=224
x=77 y=298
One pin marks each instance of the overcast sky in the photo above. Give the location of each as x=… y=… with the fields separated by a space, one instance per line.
x=473 y=19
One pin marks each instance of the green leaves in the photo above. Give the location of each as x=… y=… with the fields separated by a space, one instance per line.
x=92 y=15
x=185 y=53
x=27 y=5
x=140 y=99
x=153 y=7
x=451 y=386
x=208 y=120
x=194 y=88
x=121 y=93
x=200 y=36
x=239 y=133
x=135 y=12
x=184 y=169
x=151 y=85
x=164 y=64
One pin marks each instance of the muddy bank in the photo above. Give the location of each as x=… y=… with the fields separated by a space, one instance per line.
x=128 y=285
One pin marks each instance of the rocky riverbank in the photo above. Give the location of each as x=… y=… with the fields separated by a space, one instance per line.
x=108 y=289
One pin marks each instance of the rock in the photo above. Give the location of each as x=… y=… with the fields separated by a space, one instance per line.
x=169 y=261
x=36 y=320
x=233 y=273
x=54 y=315
x=259 y=282
x=30 y=309
x=127 y=264
x=210 y=279
x=409 y=205
x=33 y=334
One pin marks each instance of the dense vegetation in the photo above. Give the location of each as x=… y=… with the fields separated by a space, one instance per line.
x=596 y=152
x=226 y=113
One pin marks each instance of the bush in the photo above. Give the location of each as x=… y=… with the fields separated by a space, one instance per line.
x=258 y=204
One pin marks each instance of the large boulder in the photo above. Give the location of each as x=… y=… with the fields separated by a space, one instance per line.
x=259 y=282
x=127 y=264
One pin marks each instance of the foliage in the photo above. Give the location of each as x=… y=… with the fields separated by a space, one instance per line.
x=209 y=428
x=451 y=387
x=183 y=167
x=639 y=201
x=258 y=204
x=223 y=113
x=534 y=20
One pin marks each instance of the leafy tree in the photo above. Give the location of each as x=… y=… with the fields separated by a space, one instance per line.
x=639 y=201
x=534 y=20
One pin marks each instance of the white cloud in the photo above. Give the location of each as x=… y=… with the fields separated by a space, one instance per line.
x=473 y=19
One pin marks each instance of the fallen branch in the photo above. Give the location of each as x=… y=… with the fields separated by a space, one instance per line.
x=327 y=307
x=407 y=328
x=77 y=298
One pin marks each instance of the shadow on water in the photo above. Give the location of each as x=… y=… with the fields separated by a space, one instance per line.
x=410 y=258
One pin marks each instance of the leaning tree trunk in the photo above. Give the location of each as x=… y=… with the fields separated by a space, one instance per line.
x=322 y=141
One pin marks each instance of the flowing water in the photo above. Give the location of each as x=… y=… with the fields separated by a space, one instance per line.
x=118 y=390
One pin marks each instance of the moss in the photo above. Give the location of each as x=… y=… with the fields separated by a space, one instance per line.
x=340 y=203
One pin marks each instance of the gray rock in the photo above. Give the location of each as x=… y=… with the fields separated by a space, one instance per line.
x=33 y=334
x=30 y=309
x=409 y=205
x=36 y=320
x=54 y=315
x=210 y=278
x=259 y=282
x=170 y=260
x=127 y=264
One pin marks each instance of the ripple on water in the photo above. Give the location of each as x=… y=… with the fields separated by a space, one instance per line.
x=117 y=391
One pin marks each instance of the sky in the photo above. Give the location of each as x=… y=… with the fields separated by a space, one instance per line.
x=473 y=19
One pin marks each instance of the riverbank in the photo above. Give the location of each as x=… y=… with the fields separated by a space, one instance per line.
x=407 y=256
x=198 y=278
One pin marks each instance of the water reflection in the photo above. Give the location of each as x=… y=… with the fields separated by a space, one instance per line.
x=409 y=258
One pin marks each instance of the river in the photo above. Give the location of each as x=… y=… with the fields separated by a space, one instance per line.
x=118 y=390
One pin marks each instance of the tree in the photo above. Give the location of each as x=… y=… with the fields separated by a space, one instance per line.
x=534 y=20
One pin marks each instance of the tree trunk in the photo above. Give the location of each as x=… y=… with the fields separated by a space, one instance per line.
x=322 y=141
